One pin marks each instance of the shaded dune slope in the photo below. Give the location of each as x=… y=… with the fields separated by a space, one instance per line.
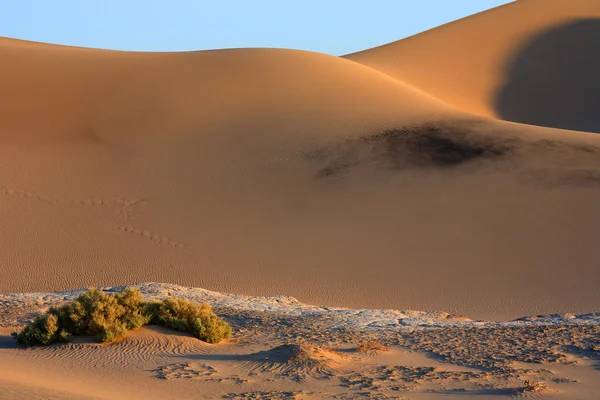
x=262 y=171
x=530 y=61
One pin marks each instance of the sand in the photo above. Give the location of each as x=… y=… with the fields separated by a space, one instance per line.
x=264 y=171
x=283 y=349
x=456 y=173
x=531 y=61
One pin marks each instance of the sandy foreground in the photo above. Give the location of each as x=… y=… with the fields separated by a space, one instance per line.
x=283 y=349
x=455 y=172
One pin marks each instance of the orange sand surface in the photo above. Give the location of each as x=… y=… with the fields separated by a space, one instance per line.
x=386 y=179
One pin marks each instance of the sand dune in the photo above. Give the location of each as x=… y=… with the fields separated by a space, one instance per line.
x=408 y=177
x=57 y=94
x=264 y=171
x=530 y=61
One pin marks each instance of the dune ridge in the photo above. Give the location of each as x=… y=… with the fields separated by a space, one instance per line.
x=530 y=61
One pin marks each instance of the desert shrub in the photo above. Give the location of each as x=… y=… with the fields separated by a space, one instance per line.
x=64 y=336
x=173 y=312
x=108 y=317
x=212 y=329
x=74 y=318
x=137 y=313
x=43 y=330
x=106 y=320
x=185 y=316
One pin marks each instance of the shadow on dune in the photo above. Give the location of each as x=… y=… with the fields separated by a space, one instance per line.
x=215 y=357
x=478 y=392
x=555 y=80
x=7 y=342
x=592 y=353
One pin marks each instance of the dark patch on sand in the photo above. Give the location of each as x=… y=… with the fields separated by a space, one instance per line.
x=454 y=145
x=439 y=146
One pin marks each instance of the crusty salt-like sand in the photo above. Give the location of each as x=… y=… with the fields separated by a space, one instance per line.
x=284 y=349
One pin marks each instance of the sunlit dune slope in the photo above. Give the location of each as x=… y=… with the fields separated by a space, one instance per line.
x=55 y=93
x=262 y=171
x=530 y=61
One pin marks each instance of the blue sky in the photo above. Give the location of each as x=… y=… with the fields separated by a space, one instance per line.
x=329 y=26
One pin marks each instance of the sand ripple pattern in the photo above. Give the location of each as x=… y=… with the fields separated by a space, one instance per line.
x=125 y=206
x=136 y=349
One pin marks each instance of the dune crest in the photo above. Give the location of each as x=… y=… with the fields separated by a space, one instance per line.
x=530 y=61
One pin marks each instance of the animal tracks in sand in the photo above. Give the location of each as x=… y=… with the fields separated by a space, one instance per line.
x=155 y=237
x=26 y=195
x=126 y=208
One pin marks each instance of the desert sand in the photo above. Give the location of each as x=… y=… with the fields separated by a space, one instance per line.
x=531 y=61
x=283 y=349
x=455 y=172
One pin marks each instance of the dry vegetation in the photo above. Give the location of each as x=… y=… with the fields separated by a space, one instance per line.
x=109 y=317
x=370 y=346
x=275 y=352
x=532 y=387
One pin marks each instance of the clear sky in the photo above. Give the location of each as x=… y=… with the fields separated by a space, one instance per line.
x=329 y=26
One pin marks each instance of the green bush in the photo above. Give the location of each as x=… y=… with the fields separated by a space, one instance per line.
x=199 y=320
x=109 y=317
x=43 y=330
x=137 y=313
x=212 y=329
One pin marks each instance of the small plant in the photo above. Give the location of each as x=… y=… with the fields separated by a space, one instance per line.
x=182 y=315
x=109 y=317
x=532 y=387
x=43 y=330
x=370 y=346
